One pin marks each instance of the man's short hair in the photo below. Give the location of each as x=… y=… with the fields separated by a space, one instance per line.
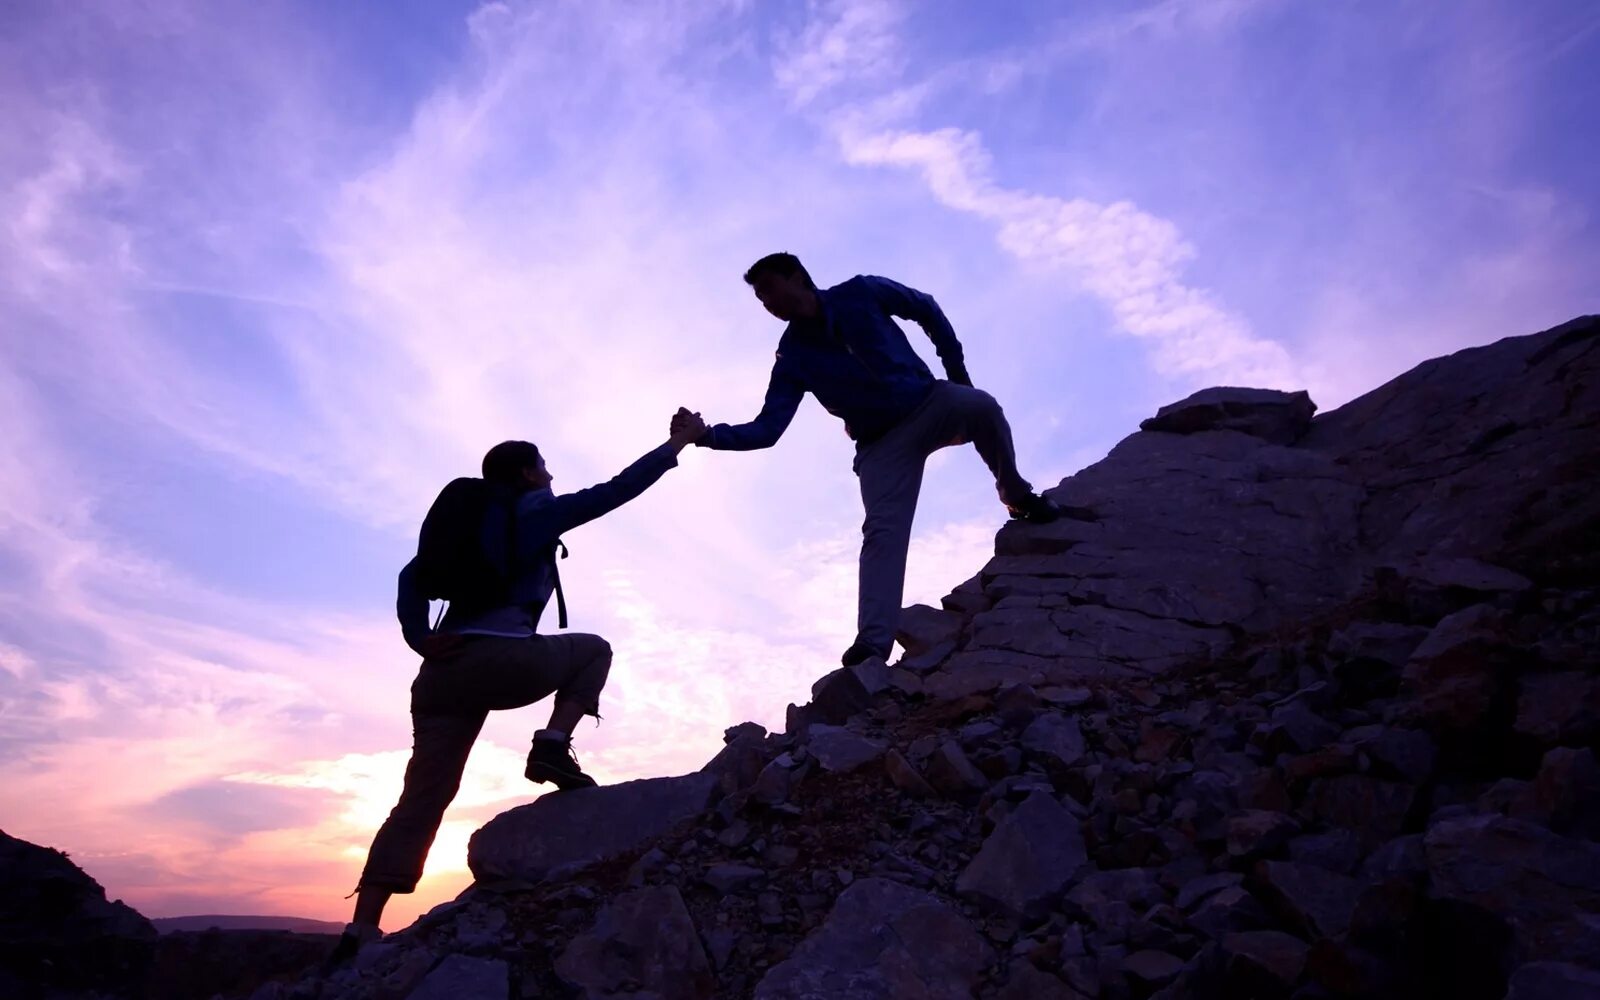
x=778 y=263
x=505 y=461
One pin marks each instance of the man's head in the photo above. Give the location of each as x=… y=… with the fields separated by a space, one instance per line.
x=781 y=283
x=517 y=465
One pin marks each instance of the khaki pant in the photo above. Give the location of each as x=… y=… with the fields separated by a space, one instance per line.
x=450 y=699
x=890 y=469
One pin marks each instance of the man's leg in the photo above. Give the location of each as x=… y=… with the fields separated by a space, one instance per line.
x=510 y=673
x=440 y=746
x=956 y=414
x=891 y=477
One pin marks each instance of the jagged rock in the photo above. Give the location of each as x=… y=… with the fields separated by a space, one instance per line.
x=1281 y=956
x=1227 y=910
x=1465 y=574
x=730 y=877
x=558 y=835
x=882 y=941
x=1387 y=643
x=1316 y=901
x=839 y=750
x=1566 y=792
x=462 y=976
x=1336 y=850
x=642 y=944
x=1278 y=417
x=58 y=932
x=950 y=772
x=1303 y=729
x=1559 y=708
x=1534 y=880
x=1056 y=738
x=1197 y=889
x=1455 y=674
x=741 y=759
x=844 y=692
x=777 y=779
x=929 y=659
x=1554 y=981
x=923 y=628
x=1138 y=887
x=905 y=776
x=1400 y=753
x=1374 y=810
x=1404 y=857
x=1151 y=967
x=1028 y=983
x=1028 y=861
x=1256 y=832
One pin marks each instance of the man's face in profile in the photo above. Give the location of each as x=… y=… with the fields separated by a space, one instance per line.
x=783 y=295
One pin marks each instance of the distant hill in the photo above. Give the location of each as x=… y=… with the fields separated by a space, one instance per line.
x=301 y=925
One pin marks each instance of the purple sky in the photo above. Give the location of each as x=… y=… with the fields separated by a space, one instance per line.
x=275 y=272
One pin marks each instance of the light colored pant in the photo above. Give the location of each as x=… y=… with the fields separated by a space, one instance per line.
x=890 y=469
x=450 y=699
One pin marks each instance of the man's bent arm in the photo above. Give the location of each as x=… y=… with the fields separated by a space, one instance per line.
x=411 y=607
x=921 y=309
x=783 y=399
x=567 y=511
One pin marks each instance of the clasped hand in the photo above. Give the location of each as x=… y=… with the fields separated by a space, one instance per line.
x=687 y=427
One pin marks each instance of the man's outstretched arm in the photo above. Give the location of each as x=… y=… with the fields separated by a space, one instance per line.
x=777 y=411
x=565 y=512
x=921 y=309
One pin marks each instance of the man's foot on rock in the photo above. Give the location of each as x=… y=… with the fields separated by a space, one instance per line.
x=553 y=760
x=355 y=936
x=861 y=651
x=1034 y=509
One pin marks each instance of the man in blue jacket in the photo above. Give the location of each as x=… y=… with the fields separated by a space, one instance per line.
x=843 y=346
x=491 y=658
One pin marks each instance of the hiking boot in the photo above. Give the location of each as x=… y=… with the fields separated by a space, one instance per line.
x=355 y=936
x=553 y=760
x=860 y=651
x=1035 y=509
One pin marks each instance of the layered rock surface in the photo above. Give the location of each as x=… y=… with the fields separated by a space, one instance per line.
x=1290 y=707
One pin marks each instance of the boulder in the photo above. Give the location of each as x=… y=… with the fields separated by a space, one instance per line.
x=882 y=941
x=839 y=750
x=1536 y=881
x=643 y=943
x=1559 y=708
x=1280 y=956
x=1055 y=738
x=1316 y=902
x=923 y=628
x=1554 y=981
x=1028 y=861
x=1274 y=416
x=1454 y=675
x=462 y=976
x=558 y=835
x=952 y=773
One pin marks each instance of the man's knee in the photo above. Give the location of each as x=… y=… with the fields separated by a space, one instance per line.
x=978 y=403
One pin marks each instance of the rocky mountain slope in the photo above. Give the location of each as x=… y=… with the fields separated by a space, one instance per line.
x=1298 y=707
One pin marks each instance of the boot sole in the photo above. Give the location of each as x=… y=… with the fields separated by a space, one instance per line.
x=563 y=780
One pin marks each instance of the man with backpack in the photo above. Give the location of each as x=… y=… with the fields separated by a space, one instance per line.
x=488 y=546
x=843 y=346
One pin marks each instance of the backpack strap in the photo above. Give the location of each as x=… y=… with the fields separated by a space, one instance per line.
x=561 y=598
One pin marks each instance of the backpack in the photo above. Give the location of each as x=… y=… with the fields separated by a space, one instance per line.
x=454 y=561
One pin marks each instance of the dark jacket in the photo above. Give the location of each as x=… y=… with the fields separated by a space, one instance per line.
x=542 y=517
x=855 y=359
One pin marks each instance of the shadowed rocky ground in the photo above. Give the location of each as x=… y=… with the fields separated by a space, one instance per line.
x=1298 y=707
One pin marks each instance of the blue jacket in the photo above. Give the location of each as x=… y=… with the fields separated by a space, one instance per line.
x=542 y=517
x=855 y=359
